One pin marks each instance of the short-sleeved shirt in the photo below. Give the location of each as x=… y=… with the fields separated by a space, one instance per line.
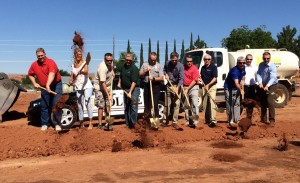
x=128 y=75
x=103 y=74
x=156 y=71
x=233 y=74
x=250 y=75
x=209 y=73
x=190 y=74
x=42 y=69
x=175 y=72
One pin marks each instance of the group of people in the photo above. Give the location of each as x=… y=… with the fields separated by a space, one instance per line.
x=183 y=80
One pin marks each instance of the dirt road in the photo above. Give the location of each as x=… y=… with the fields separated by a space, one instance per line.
x=166 y=155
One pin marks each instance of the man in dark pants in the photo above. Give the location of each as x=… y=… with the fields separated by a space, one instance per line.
x=130 y=81
x=156 y=78
x=267 y=80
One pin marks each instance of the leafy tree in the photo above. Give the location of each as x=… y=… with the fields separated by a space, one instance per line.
x=141 y=55
x=200 y=43
x=120 y=62
x=149 y=47
x=157 y=52
x=64 y=73
x=174 y=50
x=166 y=53
x=191 y=42
x=240 y=37
x=128 y=47
x=286 y=39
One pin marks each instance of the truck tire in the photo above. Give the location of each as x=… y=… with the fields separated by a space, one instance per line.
x=282 y=96
x=65 y=117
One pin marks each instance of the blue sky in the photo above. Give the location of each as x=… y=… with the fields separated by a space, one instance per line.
x=29 y=24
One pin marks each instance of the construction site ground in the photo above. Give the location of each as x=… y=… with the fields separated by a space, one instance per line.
x=217 y=154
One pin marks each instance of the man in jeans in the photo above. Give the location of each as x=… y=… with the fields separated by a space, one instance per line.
x=191 y=90
x=267 y=80
x=47 y=73
x=233 y=91
x=129 y=81
x=209 y=75
x=174 y=72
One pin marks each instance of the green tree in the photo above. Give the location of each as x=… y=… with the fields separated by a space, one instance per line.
x=128 y=47
x=182 y=51
x=157 y=52
x=166 y=52
x=64 y=73
x=191 y=42
x=257 y=38
x=174 y=50
x=120 y=62
x=200 y=43
x=141 y=55
x=286 y=38
x=149 y=47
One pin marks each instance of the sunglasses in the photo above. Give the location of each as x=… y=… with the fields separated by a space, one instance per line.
x=128 y=60
x=108 y=60
x=266 y=58
x=206 y=59
x=241 y=62
x=250 y=59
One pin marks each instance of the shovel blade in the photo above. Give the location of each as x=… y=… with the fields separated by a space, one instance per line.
x=154 y=122
x=110 y=120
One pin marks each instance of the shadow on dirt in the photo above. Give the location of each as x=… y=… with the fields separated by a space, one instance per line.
x=227 y=145
x=13 y=115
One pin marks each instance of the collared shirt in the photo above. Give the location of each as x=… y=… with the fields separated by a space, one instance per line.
x=103 y=74
x=190 y=74
x=209 y=73
x=128 y=75
x=175 y=72
x=156 y=71
x=233 y=74
x=267 y=74
x=250 y=75
x=42 y=69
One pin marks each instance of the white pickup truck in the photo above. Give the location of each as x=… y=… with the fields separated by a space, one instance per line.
x=69 y=115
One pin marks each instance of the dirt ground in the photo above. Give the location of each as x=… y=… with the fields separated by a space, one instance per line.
x=193 y=155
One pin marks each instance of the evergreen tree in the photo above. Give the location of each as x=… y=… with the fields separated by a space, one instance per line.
x=200 y=43
x=166 y=53
x=128 y=47
x=149 y=47
x=191 y=42
x=174 y=46
x=121 y=60
x=182 y=51
x=141 y=55
x=157 y=52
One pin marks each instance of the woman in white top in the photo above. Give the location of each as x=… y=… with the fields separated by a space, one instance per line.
x=83 y=86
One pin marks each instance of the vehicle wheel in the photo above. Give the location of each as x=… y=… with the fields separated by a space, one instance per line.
x=282 y=95
x=66 y=117
x=161 y=109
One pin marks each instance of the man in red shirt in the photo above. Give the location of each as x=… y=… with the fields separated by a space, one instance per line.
x=191 y=90
x=48 y=76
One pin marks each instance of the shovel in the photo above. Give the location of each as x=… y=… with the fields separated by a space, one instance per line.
x=220 y=110
x=110 y=120
x=153 y=121
x=194 y=116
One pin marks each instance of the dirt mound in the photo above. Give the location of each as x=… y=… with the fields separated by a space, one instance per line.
x=226 y=144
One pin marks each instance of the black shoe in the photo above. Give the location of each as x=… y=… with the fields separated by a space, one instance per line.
x=163 y=124
x=100 y=126
x=212 y=124
x=174 y=125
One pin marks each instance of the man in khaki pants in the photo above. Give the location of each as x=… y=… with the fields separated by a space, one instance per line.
x=209 y=75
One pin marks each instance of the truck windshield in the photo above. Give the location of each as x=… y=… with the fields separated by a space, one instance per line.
x=197 y=58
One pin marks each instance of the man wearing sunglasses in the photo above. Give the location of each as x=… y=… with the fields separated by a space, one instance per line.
x=267 y=80
x=102 y=85
x=233 y=91
x=250 y=83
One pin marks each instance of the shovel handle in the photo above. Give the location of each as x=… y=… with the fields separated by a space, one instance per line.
x=151 y=91
x=173 y=87
x=186 y=98
x=46 y=90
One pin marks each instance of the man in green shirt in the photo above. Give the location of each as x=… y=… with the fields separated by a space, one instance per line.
x=130 y=81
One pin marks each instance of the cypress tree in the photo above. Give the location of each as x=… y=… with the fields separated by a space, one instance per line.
x=128 y=47
x=166 y=54
x=141 y=55
x=174 y=45
x=182 y=51
x=191 y=42
x=149 y=47
x=157 y=52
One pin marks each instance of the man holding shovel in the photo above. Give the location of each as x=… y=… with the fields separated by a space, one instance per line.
x=174 y=72
x=130 y=82
x=209 y=75
x=156 y=77
x=191 y=91
x=102 y=84
x=48 y=75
